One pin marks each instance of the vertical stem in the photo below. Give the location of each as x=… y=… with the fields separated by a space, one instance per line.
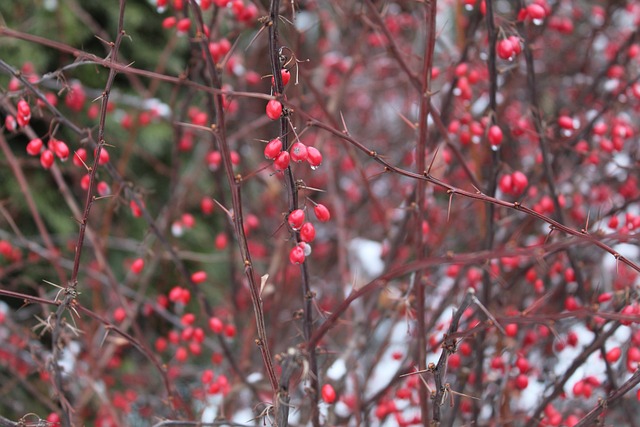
x=307 y=294
x=420 y=247
x=491 y=191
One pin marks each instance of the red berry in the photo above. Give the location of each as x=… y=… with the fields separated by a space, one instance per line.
x=207 y=205
x=230 y=331
x=613 y=355
x=565 y=122
x=522 y=381
x=495 y=136
x=296 y=256
x=214 y=159
x=286 y=76
x=23 y=108
x=62 y=150
x=296 y=219
x=103 y=189
x=274 y=109
x=104 y=156
x=46 y=159
x=34 y=146
x=221 y=241
x=80 y=157
x=181 y=354
x=314 y=157
x=136 y=210
x=536 y=11
x=504 y=49
x=273 y=148
x=137 y=266
x=282 y=161
x=169 y=22
x=10 y=123
x=216 y=325
x=307 y=232
x=328 y=393
x=519 y=182
x=183 y=25
x=299 y=152
x=505 y=184
x=198 y=277
x=515 y=42
x=322 y=213
x=119 y=314
x=511 y=329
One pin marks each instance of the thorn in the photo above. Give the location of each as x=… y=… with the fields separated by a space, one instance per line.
x=433 y=159
x=344 y=125
x=80 y=158
x=223 y=208
x=449 y=208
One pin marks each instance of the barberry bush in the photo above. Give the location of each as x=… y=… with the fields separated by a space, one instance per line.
x=301 y=212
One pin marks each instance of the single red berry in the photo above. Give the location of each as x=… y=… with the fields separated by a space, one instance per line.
x=322 y=213
x=230 y=330
x=296 y=256
x=80 y=157
x=511 y=329
x=221 y=241
x=522 y=381
x=136 y=210
x=199 y=277
x=274 y=109
x=307 y=232
x=519 y=182
x=328 y=393
x=571 y=304
x=515 y=42
x=183 y=25
x=103 y=189
x=282 y=161
x=273 y=148
x=84 y=182
x=34 y=146
x=207 y=205
x=495 y=136
x=10 y=123
x=296 y=219
x=46 y=159
x=188 y=319
x=62 y=150
x=23 y=108
x=566 y=122
x=235 y=158
x=286 y=76
x=299 y=152
x=169 y=22
x=104 y=156
x=504 y=49
x=314 y=157
x=505 y=184
x=535 y=11
x=214 y=159
x=613 y=355
x=137 y=266
x=181 y=354
x=216 y=325
x=119 y=314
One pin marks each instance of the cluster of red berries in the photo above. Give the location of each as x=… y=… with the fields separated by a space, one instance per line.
x=514 y=183
x=22 y=117
x=54 y=148
x=509 y=48
x=243 y=13
x=306 y=230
